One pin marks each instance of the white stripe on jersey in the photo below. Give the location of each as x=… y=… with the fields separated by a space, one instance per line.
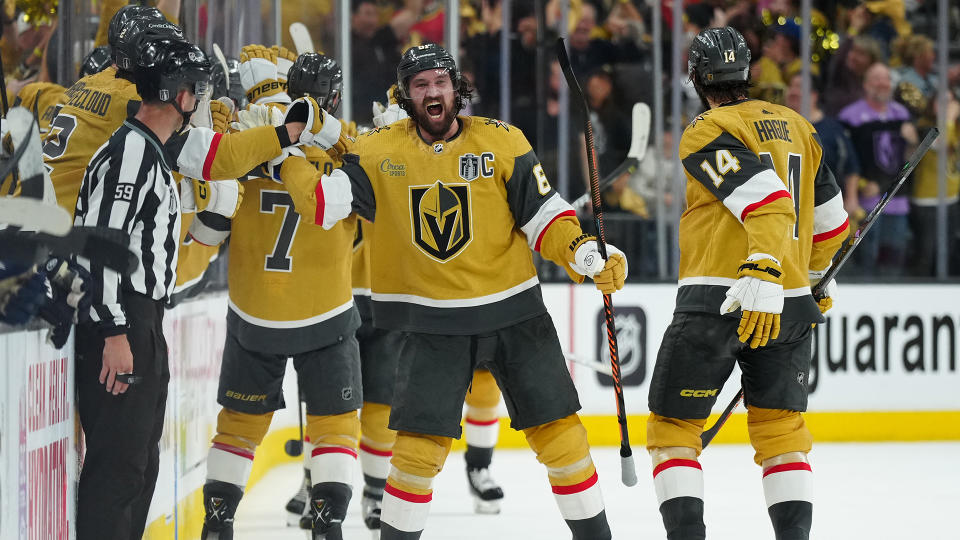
x=458 y=302
x=757 y=188
x=266 y=323
x=549 y=210
x=829 y=215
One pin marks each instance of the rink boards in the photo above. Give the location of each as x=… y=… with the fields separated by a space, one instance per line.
x=885 y=368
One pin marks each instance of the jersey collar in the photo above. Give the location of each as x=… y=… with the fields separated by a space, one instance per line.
x=444 y=144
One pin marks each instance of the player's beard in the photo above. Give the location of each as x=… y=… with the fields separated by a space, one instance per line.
x=436 y=127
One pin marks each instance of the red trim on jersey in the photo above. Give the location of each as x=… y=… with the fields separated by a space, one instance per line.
x=830 y=234
x=333 y=450
x=318 y=218
x=211 y=153
x=576 y=488
x=482 y=422
x=795 y=466
x=234 y=450
x=536 y=246
x=406 y=496
x=676 y=463
x=374 y=451
x=766 y=200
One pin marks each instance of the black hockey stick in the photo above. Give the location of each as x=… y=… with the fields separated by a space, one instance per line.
x=628 y=471
x=294 y=447
x=846 y=251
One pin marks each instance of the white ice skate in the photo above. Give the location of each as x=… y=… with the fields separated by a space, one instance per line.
x=485 y=491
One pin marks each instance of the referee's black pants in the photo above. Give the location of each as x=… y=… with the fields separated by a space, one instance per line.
x=122 y=433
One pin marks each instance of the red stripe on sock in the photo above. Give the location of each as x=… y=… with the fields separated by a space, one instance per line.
x=374 y=451
x=406 y=496
x=482 y=422
x=576 y=488
x=766 y=200
x=795 y=466
x=242 y=452
x=333 y=450
x=208 y=162
x=676 y=463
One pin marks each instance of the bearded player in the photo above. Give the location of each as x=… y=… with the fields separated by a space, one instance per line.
x=764 y=218
x=456 y=218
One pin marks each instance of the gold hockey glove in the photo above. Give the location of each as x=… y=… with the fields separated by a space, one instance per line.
x=221 y=114
x=258 y=75
x=584 y=258
x=285 y=60
x=829 y=292
x=759 y=294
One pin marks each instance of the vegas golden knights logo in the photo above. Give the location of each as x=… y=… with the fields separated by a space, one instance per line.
x=441 y=219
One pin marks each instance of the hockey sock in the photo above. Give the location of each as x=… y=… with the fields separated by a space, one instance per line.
x=376 y=447
x=679 y=486
x=482 y=428
x=788 y=490
x=562 y=446
x=417 y=459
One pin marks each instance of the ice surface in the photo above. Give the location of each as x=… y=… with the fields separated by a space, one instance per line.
x=863 y=491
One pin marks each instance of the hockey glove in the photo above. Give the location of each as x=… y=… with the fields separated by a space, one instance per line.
x=209 y=228
x=759 y=294
x=21 y=296
x=273 y=166
x=68 y=300
x=335 y=192
x=257 y=116
x=349 y=129
x=608 y=275
x=258 y=75
x=220 y=197
x=829 y=292
x=384 y=116
x=285 y=60
x=221 y=114
x=322 y=129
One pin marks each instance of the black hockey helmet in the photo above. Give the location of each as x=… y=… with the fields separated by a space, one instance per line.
x=96 y=61
x=719 y=55
x=227 y=83
x=422 y=58
x=318 y=76
x=165 y=67
x=127 y=14
x=138 y=32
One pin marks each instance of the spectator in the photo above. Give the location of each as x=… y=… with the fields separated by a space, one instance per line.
x=375 y=54
x=917 y=82
x=588 y=52
x=845 y=76
x=838 y=151
x=881 y=132
x=611 y=127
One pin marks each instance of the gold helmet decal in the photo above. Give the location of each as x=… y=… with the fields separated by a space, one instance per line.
x=441 y=219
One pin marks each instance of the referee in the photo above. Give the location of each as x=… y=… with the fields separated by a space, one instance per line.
x=122 y=370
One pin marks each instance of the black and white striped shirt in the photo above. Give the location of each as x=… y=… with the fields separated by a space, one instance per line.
x=128 y=186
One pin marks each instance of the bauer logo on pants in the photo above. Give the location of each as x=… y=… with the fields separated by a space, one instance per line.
x=631 y=323
x=440 y=219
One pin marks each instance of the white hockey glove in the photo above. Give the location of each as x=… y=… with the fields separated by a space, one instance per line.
x=337 y=198
x=221 y=197
x=608 y=275
x=209 y=228
x=258 y=115
x=322 y=129
x=384 y=116
x=202 y=117
x=829 y=292
x=759 y=294
x=273 y=166
x=258 y=75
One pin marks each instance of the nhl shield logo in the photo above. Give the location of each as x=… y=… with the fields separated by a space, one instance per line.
x=469 y=167
x=441 y=223
x=631 y=323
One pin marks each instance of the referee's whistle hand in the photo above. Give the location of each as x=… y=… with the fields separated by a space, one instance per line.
x=117 y=358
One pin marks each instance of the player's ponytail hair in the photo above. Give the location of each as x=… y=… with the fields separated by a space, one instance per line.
x=464 y=96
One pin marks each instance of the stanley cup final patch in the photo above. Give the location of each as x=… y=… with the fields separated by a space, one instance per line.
x=441 y=219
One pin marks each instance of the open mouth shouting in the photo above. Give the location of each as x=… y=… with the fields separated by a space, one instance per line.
x=434 y=109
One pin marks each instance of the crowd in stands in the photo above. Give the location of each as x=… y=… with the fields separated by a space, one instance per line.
x=874 y=94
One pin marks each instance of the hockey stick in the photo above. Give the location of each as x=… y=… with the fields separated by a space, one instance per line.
x=301 y=38
x=849 y=245
x=218 y=54
x=598 y=367
x=294 y=447
x=640 y=132
x=628 y=471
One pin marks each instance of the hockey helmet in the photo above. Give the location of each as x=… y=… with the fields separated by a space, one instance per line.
x=96 y=61
x=318 y=76
x=138 y=32
x=422 y=58
x=129 y=13
x=227 y=84
x=167 y=66
x=719 y=55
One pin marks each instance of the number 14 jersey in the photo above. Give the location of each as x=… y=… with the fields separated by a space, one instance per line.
x=756 y=183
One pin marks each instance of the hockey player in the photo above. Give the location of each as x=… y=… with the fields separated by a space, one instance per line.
x=278 y=311
x=458 y=203
x=764 y=217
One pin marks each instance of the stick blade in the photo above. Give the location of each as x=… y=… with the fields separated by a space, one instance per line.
x=641 y=131
x=301 y=38
x=218 y=53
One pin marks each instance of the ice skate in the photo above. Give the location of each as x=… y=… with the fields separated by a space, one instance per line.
x=485 y=491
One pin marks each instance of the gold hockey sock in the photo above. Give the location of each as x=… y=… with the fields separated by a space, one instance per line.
x=417 y=459
x=481 y=426
x=231 y=454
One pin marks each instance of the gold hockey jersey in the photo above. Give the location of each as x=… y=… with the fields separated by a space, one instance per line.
x=755 y=184
x=46 y=97
x=290 y=282
x=454 y=225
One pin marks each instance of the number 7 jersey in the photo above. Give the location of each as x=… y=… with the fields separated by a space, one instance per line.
x=756 y=183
